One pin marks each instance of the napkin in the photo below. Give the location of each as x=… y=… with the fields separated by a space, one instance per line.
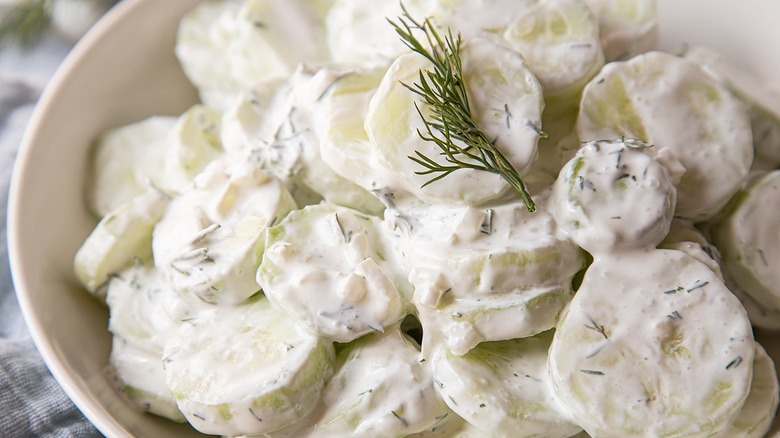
x=32 y=404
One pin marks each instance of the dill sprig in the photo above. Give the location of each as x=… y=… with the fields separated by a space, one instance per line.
x=451 y=125
x=25 y=22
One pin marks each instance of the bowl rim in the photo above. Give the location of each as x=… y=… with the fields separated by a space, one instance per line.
x=35 y=325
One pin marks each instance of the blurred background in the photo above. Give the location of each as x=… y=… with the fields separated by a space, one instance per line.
x=35 y=37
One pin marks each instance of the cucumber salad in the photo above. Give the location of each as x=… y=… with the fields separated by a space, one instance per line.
x=443 y=218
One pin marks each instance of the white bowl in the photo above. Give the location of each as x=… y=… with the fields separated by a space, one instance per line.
x=125 y=70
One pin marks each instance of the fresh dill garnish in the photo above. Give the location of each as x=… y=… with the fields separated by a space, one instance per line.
x=734 y=363
x=597 y=328
x=451 y=125
x=25 y=22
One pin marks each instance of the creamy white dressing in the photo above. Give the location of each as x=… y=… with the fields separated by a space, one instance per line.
x=278 y=270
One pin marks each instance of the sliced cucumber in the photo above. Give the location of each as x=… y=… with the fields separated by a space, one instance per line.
x=382 y=388
x=344 y=144
x=121 y=237
x=225 y=47
x=502 y=388
x=276 y=126
x=139 y=376
x=665 y=350
x=245 y=370
x=762 y=100
x=127 y=162
x=627 y=27
x=487 y=274
x=210 y=241
x=505 y=100
x=762 y=317
x=462 y=323
x=756 y=417
x=748 y=240
x=144 y=312
x=325 y=265
x=560 y=41
x=474 y=252
x=358 y=32
x=192 y=144
x=701 y=119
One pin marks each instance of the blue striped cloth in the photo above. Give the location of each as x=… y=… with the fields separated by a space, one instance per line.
x=31 y=401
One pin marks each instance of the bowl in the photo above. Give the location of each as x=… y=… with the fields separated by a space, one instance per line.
x=124 y=70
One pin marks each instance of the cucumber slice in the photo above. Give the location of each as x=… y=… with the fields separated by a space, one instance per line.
x=627 y=27
x=210 y=241
x=506 y=102
x=144 y=312
x=192 y=143
x=756 y=417
x=139 y=376
x=461 y=324
x=487 y=274
x=358 y=32
x=277 y=127
x=451 y=426
x=761 y=100
x=558 y=38
x=560 y=41
x=249 y=112
x=612 y=196
x=701 y=119
x=748 y=240
x=762 y=317
x=143 y=316
x=665 y=350
x=502 y=388
x=382 y=388
x=121 y=237
x=325 y=265
x=127 y=161
x=475 y=252
x=245 y=370
x=344 y=144
x=225 y=47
